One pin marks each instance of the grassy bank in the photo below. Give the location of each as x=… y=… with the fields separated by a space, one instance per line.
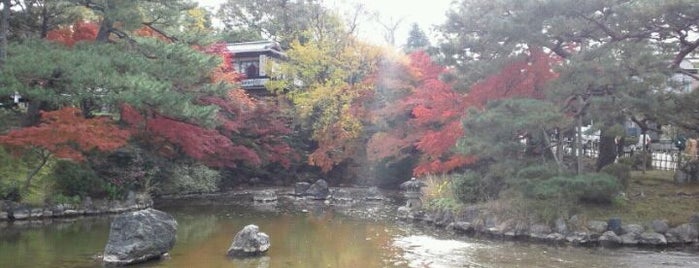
x=651 y=195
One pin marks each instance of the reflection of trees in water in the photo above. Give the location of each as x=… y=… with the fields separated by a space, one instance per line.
x=328 y=240
x=52 y=243
x=194 y=229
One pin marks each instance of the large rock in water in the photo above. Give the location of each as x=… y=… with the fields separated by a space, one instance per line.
x=139 y=236
x=249 y=242
x=318 y=190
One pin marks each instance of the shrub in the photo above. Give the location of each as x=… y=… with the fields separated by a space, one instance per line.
x=10 y=191
x=76 y=179
x=635 y=161
x=540 y=172
x=188 y=179
x=472 y=187
x=621 y=171
x=589 y=187
x=597 y=187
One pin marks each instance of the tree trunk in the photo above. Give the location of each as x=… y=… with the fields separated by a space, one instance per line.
x=43 y=158
x=104 y=31
x=607 y=149
x=578 y=146
x=33 y=115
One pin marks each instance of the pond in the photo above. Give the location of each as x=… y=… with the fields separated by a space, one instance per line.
x=319 y=236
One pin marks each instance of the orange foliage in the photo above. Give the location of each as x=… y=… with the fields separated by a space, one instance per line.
x=79 y=31
x=225 y=71
x=146 y=31
x=437 y=110
x=526 y=77
x=67 y=134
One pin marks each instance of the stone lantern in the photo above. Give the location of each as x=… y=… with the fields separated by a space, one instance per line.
x=413 y=193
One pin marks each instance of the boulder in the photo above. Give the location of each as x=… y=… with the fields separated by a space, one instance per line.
x=629 y=238
x=461 y=227
x=300 y=188
x=597 y=227
x=21 y=212
x=443 y=218
x=539 y=231
x=555 y=238
x=694 y=219
x=139 y=236
x=652 y=238
x=632 y=229
x=249 y=242
x=374 y=194
x=685 y=233
x=560 y=226
x=318 y=190
x=614 y=225
x=342 y=195
x=264 y=196
x=609 y=239
x=578 y=238
x=659 y=226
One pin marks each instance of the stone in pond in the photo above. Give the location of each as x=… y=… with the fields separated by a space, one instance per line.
x=139 y=236
x=249 y=242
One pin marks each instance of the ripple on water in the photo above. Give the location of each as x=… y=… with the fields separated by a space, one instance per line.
x=428 y=251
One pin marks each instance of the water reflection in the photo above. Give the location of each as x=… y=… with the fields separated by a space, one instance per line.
x=317 y=238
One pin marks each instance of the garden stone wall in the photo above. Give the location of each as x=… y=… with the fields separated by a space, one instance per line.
x=13 y=211
x=477 y=221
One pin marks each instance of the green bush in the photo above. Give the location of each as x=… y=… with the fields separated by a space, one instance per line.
x=635 y=161
x=621 y=171
x=540 y=172
x=472 y=187
x=589 y=187
x=10 y=191
x=192 y=179
x=75 y=179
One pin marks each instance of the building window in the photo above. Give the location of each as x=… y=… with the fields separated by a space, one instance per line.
x=248 y=67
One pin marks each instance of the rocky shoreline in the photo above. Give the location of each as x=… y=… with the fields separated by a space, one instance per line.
x=19 y=212
x=370 y=203
x=475 y=221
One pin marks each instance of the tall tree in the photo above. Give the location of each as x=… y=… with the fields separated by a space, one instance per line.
x=417 y=40
x=592 y=35
x=35 y=18
x=282 y=21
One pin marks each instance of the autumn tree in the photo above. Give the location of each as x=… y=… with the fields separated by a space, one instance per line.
x=417 y=40
x=65 y=134
x=590 y=37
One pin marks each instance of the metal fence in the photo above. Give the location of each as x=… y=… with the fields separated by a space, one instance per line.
x=664 y=156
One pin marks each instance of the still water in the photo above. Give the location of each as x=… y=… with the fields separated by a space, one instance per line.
x=314 y=238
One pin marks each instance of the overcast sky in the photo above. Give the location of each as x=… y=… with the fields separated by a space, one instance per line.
x=426 y=13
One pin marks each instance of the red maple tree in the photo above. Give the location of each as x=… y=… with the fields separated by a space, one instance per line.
x=65 y=133
x=71 y=34
x=436 y=110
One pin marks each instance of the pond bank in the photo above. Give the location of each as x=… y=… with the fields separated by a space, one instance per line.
x=371 y=204
x=472 y=221
x=20 y=212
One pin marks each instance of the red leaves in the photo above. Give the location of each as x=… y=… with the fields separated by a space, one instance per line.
x=523 y=78
x=250 y=132
x=200 y=143
x=67 y=134
x=79 y=31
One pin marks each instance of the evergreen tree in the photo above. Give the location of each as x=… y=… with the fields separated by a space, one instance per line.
x=417 y=40
x=616 y=54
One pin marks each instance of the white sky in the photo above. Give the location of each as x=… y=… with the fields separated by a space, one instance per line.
x=426 y=13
